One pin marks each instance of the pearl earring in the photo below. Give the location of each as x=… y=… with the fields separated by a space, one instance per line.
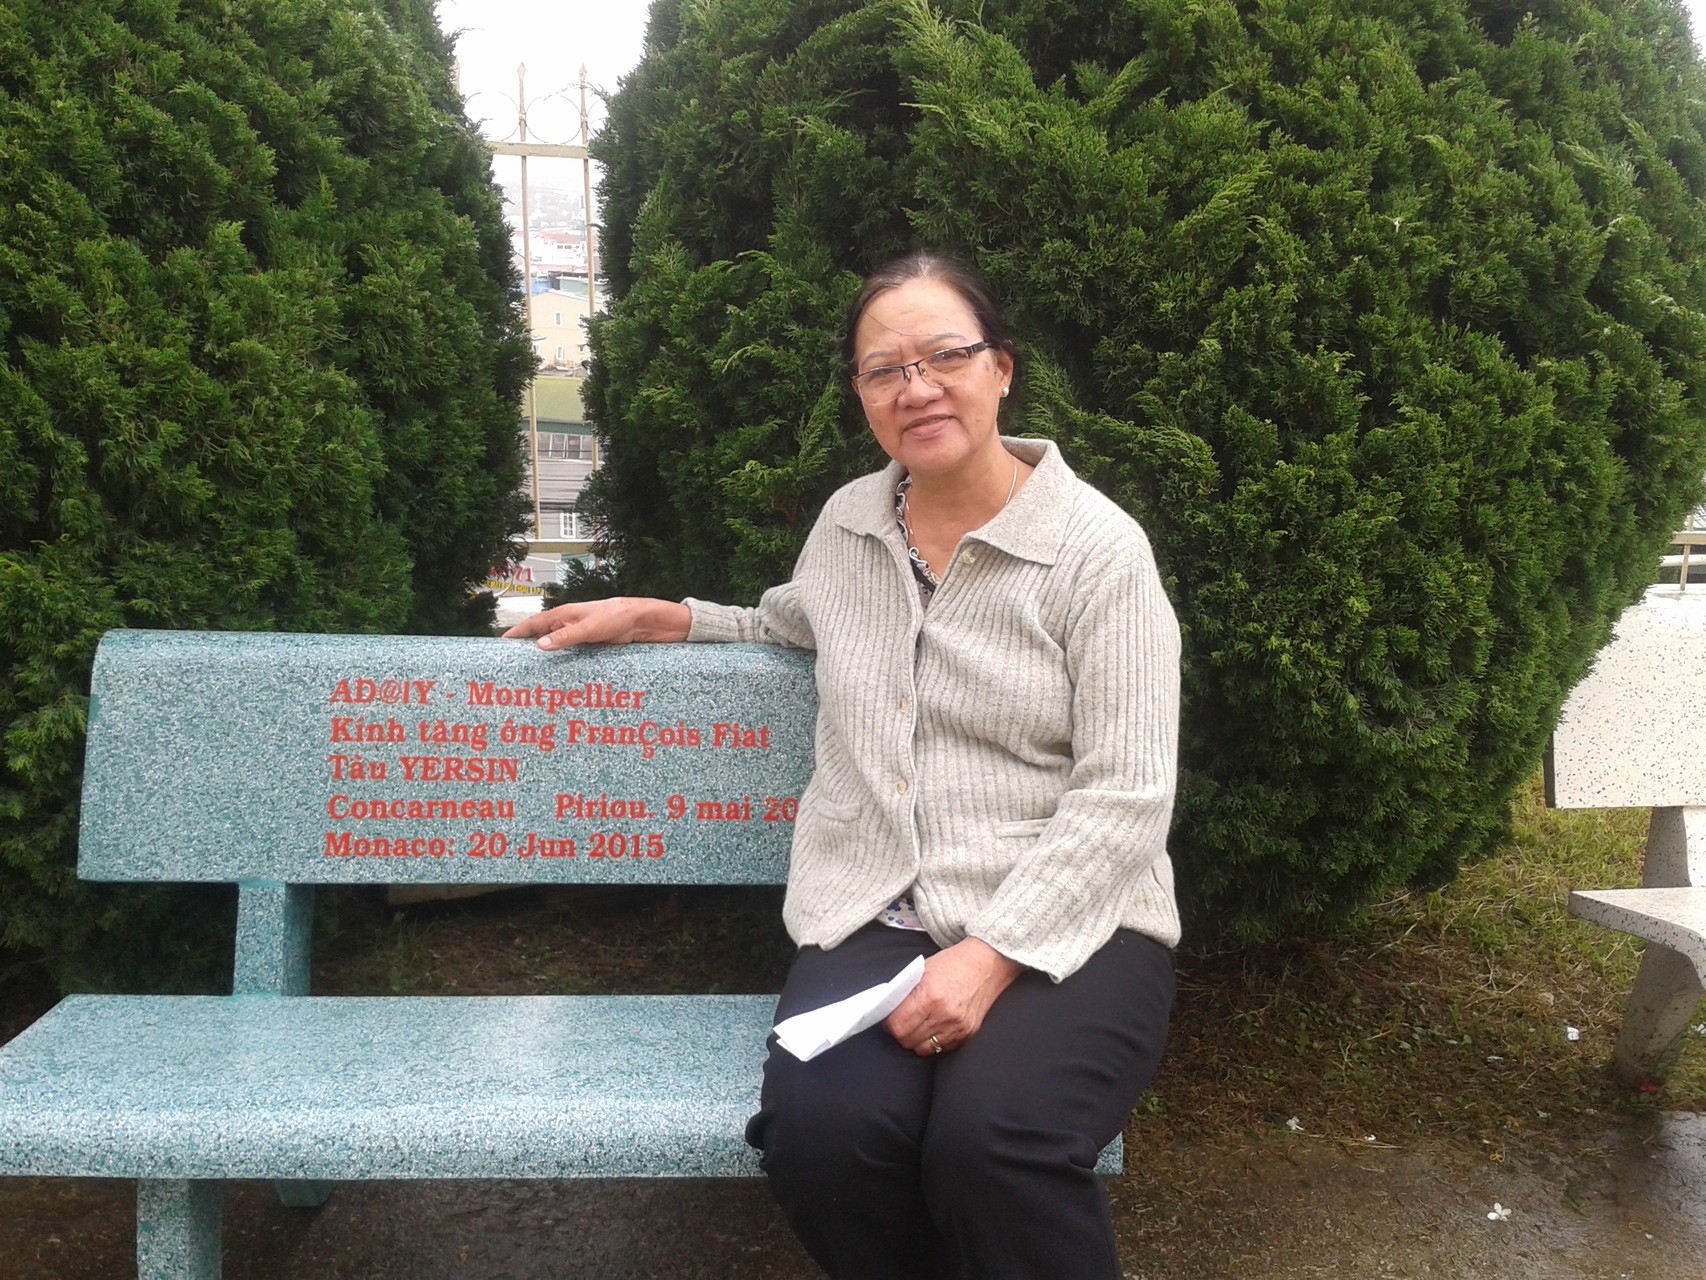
x=1003 y=390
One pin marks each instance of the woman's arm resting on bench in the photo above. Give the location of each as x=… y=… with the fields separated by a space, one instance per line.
x=620 y=620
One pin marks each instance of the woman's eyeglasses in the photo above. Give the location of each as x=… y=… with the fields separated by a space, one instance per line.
x=885 y=381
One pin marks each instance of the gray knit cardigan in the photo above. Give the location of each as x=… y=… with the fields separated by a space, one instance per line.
x=1010 y=753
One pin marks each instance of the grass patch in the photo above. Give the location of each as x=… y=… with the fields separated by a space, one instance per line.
x=1440 y=1015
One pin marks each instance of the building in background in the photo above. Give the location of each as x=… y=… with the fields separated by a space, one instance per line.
x=567 y=455
x=555 y=245
x=558 y=324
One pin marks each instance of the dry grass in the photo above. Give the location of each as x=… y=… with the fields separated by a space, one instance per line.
x=1434 y=1016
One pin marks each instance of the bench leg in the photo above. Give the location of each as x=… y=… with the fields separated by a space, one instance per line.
x=1662 y=1003
x=1676 y=849
x=274 y=925
x=177 y=1229
x=303 y=1193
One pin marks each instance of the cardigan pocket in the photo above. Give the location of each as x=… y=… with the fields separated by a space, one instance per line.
x=824 y=822
x=1020 y=829
x=822 y=810
x=828 y=839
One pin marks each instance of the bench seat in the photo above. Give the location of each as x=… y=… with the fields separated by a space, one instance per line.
x=385 y=1087
x=345 y=1087
x=1673 y=918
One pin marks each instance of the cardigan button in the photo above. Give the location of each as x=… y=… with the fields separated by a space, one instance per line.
x=970 y=557
x=901 y=786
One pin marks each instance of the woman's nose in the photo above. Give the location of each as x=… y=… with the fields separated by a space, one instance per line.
x=919 y=389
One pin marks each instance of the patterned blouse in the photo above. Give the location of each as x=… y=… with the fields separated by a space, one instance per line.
x=901 y=913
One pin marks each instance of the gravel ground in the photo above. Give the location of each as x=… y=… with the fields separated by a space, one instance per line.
x=1627 y=1203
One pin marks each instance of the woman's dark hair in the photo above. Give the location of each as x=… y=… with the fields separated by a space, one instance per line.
x=925 y=265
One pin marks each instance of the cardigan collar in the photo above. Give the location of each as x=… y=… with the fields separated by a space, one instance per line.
x=1030 y=527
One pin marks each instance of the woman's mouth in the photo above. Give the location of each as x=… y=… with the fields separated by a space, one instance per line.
x=925 y=424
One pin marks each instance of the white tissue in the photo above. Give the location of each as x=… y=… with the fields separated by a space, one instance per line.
x=805 y=1035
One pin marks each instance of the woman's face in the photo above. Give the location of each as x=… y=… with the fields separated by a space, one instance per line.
x=929 y=428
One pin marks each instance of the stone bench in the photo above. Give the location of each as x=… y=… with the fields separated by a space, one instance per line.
x=278 y=762
x=1633 y=734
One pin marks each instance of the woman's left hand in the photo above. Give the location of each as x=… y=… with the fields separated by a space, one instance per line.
x=949 y=1003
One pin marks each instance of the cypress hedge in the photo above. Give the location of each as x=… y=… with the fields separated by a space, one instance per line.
x=1384 y=317
x=261 y=352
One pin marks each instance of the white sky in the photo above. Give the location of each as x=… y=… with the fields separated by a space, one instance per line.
x=1696 y=18
x=554 y=39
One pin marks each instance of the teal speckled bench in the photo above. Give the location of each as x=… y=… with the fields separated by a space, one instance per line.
x=278 y=762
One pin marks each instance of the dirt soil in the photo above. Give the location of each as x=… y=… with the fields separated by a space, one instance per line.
x=1630 y=1204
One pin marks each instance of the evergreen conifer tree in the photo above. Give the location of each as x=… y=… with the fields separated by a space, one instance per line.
x=1384 y=317
x=260 y=357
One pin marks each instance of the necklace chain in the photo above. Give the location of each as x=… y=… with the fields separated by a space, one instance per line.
x=903 y=495
x=1012 y=487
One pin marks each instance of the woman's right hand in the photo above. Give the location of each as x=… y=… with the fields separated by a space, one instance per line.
x=619 y=620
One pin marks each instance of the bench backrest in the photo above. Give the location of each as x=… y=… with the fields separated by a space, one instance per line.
x=1633 y=732
x=278 y=762
x=305 y=759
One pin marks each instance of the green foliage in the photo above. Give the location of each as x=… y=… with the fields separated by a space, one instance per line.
x=259 y=360
x=1383 y=316
x=582 y=581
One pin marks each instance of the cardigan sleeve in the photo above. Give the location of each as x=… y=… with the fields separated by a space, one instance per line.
x=1068 y=893
x=778 y=618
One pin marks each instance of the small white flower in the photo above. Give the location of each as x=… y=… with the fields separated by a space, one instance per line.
x=1700 y=1028
x=1570 y=1033
x=1499 y=1213
x=1294 y=1124
x=1369 y=1137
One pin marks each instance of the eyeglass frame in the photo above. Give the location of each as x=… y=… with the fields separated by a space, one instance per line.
x=970 y=350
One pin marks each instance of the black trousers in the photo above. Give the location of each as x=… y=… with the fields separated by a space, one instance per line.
x=977 y=1163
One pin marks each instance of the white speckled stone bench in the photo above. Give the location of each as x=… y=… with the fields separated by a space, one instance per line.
x=278 y=762
x=1633 y=734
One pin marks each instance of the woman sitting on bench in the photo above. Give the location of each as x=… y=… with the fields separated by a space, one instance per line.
x=997 y=668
